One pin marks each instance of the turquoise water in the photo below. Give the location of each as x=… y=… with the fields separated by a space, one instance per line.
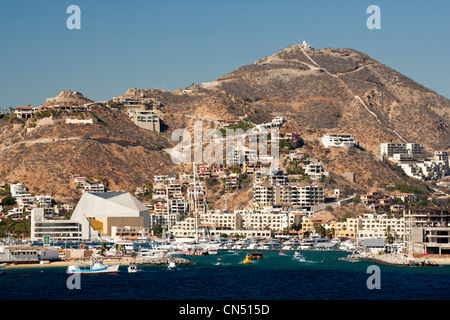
x=321 y=277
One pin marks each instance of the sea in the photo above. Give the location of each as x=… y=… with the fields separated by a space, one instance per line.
x=321 y=277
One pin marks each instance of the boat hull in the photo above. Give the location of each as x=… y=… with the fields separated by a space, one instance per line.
x=107 y=269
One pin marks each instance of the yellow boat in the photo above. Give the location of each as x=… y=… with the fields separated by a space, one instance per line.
x=247 y=259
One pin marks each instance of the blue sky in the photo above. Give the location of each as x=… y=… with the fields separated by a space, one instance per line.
x=171 y=44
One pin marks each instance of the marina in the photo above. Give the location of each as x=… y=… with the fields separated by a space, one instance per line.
x=320 y=275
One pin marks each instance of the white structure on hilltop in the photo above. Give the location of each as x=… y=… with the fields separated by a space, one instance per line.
x=338 y=140
x=305 y=45
x=146 y=118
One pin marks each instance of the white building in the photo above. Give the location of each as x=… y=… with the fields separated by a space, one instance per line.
x=338 y=140
x=56 y=230
x=374 y=225
x=97 y=212
x=389 y=149
x=94 y=187
x=146 y=118
x=19 y=190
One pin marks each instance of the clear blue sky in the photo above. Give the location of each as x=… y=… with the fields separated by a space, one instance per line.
x=173 y=43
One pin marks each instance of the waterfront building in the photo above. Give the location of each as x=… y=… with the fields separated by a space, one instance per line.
x=27 y=255
x=56 y=230
x=427 y=231
x=98 y=212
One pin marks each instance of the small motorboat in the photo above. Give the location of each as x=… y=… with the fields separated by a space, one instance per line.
x=282 y=253
x=219 y=261
x=132 y=268
x=298 y=256
x=171 y=265
x=256 y=255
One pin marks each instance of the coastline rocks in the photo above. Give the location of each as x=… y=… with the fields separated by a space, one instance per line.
x=162 y=260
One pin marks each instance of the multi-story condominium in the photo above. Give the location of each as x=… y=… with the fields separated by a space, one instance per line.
x=250 y=223
x=266 y=195
x=164 y=219
x=145 y=118
x=309 y=224
x=427 y=231
x=179 y=205
x=302 y=195
x=415 y=150
x=374 y=225
x=338 y=140
x=214 y=225
x=222 y=219
x=266 y=176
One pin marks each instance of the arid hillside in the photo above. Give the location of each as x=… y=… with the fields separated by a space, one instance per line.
x=317 y=91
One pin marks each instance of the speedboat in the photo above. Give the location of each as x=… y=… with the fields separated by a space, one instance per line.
x=256 y=255
x=96 y=267
x=298 y=256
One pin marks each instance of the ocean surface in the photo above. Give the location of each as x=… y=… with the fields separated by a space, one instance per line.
x=275 y=277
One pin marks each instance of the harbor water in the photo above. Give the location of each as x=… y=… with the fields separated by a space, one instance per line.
x=321 y=276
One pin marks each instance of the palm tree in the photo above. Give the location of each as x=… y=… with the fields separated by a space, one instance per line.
x=389 y=236
x=102 y=248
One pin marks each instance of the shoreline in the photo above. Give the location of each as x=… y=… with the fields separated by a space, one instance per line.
x=143 y=261
x=402 y=261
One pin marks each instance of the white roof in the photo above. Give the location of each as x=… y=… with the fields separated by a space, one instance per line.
x=109 y=204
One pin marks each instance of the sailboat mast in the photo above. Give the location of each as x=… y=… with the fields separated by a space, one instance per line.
x=195 y=206
x=168 y=208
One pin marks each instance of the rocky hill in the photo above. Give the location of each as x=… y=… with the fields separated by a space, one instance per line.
x=317 y=91
x=332 y=90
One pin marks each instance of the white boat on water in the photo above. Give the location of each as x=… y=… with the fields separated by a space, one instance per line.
x=96 y=267
x=298 y=256
x=171 y=265
x=132 y=268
